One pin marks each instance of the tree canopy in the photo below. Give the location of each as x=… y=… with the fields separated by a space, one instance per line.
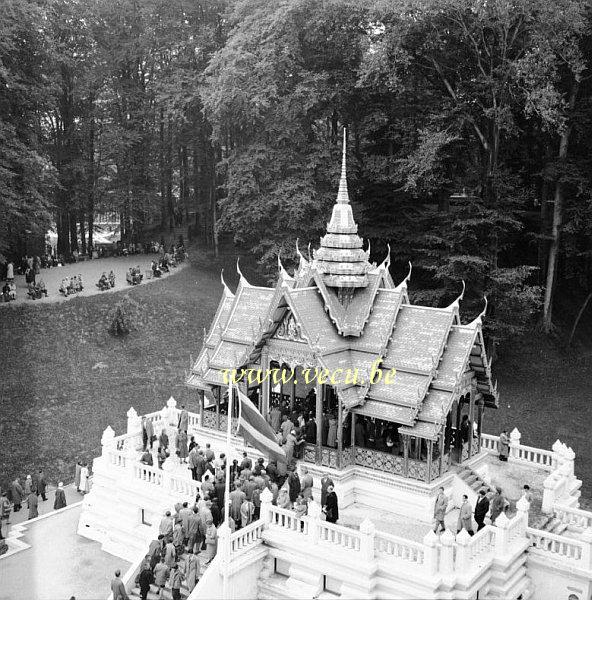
x=468 y=123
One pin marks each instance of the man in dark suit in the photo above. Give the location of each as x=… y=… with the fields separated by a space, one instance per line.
x=481 y=508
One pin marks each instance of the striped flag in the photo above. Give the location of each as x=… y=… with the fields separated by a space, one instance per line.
x=255 y=429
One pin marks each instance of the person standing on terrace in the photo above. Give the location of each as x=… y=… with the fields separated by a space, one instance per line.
x=481 y=508
x=504 y=446
x=440 y=507
x=465 y=517
x=331 y=505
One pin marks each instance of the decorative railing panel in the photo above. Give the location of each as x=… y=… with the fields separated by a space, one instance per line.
x=209 y=421
x=482 y=544
x=465 y=452
x=377 y=460
x=475 y=446
x=417 y=470
x=148 y=474
x=537 y=456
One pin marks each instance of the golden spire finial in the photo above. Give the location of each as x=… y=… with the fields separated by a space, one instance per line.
x=342 y=194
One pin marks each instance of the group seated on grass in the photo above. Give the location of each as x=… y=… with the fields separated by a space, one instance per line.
x=71 y=285
x=106 y=282
x=134 y=276
x=9 y=291
x=37 y=290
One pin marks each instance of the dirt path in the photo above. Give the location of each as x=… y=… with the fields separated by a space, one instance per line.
x=91 y=271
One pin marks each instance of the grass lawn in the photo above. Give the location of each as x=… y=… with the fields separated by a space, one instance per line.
x=54 y=405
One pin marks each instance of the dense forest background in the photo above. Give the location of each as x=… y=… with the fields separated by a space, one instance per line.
x=469 y=127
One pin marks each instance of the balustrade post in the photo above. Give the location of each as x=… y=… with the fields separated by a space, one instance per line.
x=266 y=506
x=558 y=449
x=447 y=552
x=430 y=553
x=223 y=550
x=367 y=535
x=502 y=538
x=515 y=443
x=462 y=551
x=107 y=440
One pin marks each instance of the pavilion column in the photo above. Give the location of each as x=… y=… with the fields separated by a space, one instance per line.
x=218 y=391
x=319 y=422
x=406 y=455
x=202 y=404
x=480 y=408
x=292 y=391
x=442 y=444
x=354 y=418
x=471 y=418
x=264 y=393
x=339 y=434
x=430 y=445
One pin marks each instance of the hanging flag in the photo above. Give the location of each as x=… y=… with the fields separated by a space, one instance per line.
x=255 y=429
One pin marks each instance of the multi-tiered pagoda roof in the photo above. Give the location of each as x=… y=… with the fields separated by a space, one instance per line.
x=351 y=313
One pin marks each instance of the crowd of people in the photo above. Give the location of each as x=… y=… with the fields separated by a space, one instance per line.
x=70 y=285
x=28 y=494
x=31 y=267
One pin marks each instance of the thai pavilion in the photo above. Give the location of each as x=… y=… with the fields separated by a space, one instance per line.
x=338 y=312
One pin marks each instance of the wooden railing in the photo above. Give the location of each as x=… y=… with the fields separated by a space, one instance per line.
x=400 y=548
x=556 y=544
x=573 y=517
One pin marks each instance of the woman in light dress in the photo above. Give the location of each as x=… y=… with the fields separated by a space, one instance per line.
x=332 y=434
x=84 y=479
x=191 y=570
x=211 y=541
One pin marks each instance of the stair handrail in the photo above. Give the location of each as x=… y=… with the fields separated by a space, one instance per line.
x=582 y=517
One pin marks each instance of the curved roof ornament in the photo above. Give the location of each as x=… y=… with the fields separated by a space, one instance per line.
x=242 y=277
x=227 y=291
x=368 y=250
x=456 y=301
x=309 y=254
x=405 y=280
x=479 y=319
x=303 y=260
x=283 y=273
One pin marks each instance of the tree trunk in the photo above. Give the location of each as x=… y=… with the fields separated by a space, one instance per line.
x=90 y=173
x=557 y=219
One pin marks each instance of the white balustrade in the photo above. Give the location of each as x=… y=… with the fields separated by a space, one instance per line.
x=247 y=537
x=287 y=519
x=556 y=544
x=118 y=458
x=574 y=517
x=482 y=545
x=148 y=474
x=544 y=459
x=391 y=545
x=489 y=443
x=339 y=536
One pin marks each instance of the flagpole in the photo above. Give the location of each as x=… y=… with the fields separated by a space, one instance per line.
x=227 y=477
x=226 y=524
